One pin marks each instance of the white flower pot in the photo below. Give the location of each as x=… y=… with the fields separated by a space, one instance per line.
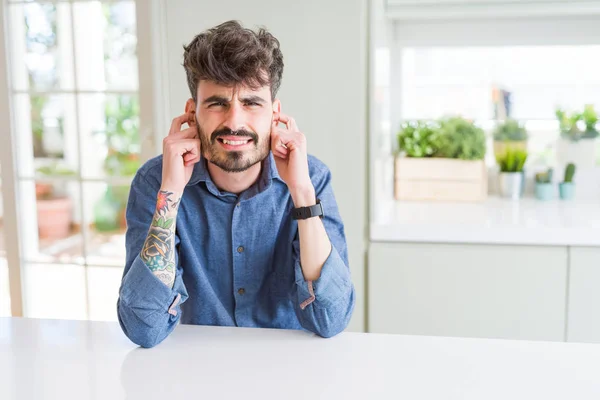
x=510 y=185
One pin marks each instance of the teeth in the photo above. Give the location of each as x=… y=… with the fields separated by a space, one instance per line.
x=235 y=142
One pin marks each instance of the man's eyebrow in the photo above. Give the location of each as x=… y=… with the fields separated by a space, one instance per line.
x=252 y=99
x=216 y=99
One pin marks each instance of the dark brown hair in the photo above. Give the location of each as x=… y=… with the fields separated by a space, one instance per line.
x=230 y=54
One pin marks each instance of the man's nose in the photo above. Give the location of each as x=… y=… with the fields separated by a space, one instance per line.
x=235 y=117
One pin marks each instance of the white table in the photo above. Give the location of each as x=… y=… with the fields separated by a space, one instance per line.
x=51 y=359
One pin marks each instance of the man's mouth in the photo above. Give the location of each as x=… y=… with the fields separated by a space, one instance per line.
x=234 y=143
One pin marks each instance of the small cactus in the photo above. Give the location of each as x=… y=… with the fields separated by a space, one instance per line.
x=569 y=172
x=544 y=177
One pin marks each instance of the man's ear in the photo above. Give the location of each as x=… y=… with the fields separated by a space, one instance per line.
x=190 y=109
x=276 y=109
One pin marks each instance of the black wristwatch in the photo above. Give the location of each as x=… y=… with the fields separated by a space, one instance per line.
x=308 y=212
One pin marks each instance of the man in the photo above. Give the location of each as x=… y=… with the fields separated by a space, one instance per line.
x=234 y=224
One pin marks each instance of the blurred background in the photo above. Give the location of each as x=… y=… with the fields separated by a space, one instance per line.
x=462 y=136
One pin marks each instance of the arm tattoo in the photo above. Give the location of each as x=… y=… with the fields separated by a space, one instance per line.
x=158 y=252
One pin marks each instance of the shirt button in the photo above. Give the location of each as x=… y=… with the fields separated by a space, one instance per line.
x=237 y=205
x=240 y=249
x=241 y=291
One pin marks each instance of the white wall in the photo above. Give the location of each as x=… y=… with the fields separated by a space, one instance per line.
x=324 y=89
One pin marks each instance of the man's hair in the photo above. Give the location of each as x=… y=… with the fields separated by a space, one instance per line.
x=230 y=55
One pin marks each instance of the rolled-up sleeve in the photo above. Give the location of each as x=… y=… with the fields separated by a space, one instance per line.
x=147 y=309
x=325 y=306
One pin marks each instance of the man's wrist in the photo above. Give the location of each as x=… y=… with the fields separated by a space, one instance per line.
x=174 y=192
x=304 y=196
x=167 y=202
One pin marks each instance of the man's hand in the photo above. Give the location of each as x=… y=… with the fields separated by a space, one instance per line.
x=289 y=148
x=181 y=150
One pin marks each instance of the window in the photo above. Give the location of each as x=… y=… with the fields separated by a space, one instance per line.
x=438 y=81
x=428 y=62
x=74 y=94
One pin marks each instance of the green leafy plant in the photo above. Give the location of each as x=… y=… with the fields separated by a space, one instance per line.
x=462 y=139
x=513 y=160
x=568 y=123
x=590 y=118
x=419 y=139
x=578 y=125
x=121 y=136
x=544 y=177
x=510 y=131
x=569 y=173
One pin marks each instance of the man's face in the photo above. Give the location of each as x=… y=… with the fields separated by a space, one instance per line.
x=234 y=124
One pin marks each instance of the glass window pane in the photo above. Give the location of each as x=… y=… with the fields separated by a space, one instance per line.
x=41 y=49
x=103 y=292
x=4 y=285
x=439 y=81
x=55 y=291
x=104 y=211
x=535 y=80
x=4 y=288
x=53 y=232
x=106 y=45
x=46 y=134
x=109 y=129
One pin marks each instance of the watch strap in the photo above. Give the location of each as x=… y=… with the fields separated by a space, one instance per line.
x=308 y=212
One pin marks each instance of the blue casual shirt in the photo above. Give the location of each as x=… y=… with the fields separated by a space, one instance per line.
x=238 y=259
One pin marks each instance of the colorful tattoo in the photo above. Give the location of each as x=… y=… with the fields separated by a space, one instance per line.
x=162 y=203
x=158 y=250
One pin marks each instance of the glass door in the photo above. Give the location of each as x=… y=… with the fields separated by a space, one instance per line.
x=73 y=68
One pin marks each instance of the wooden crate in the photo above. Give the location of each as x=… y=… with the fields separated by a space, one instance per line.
x=440 y=179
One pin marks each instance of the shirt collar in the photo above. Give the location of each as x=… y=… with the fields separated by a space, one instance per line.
x=267 y=174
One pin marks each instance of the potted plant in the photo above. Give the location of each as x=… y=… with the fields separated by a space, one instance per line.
x=566 y=188
x=509 y=134
x=441 y=160
x=578 y=134
x=590 y=120
x=543 y=185
x=461 y=139
x=570 y=125
x=419 y=139
x=511 y=177
x=54 y=206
